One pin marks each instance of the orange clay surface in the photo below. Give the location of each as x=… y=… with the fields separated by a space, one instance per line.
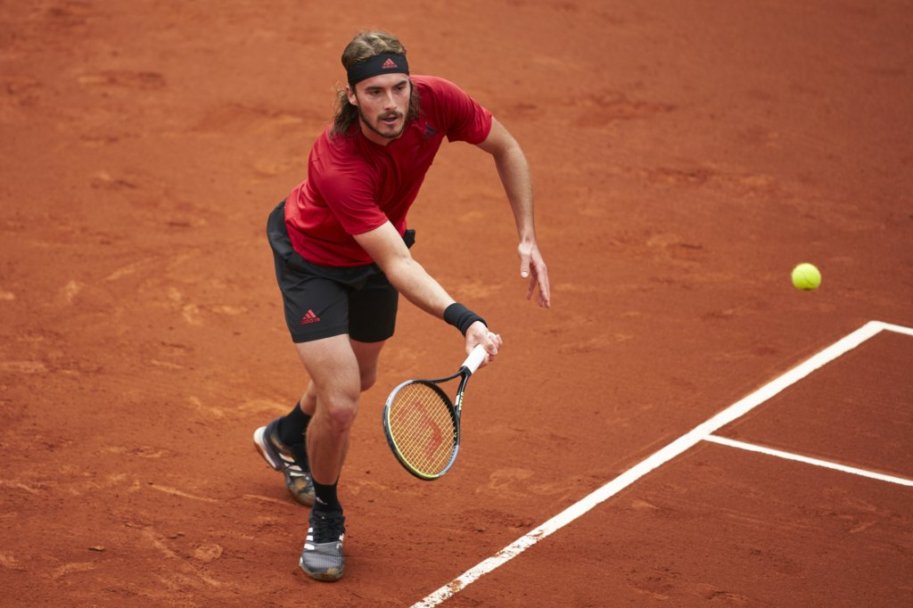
x=686 y=155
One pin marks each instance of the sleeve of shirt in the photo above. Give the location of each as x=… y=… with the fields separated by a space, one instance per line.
x=465 y=118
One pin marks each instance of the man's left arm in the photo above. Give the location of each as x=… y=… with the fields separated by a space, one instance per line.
x=515 y=176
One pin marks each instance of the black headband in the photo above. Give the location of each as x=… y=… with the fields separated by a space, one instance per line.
x=384 y=63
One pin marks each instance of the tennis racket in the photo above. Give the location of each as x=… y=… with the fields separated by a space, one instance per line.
x=422 y=424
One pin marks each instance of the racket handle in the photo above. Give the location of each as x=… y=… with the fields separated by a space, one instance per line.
x=475 y=359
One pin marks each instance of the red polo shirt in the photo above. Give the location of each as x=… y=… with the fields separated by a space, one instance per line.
x=354 y=185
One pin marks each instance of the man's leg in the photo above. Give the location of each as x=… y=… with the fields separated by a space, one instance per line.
x=335 y=384
x=340 y=369
x=367 y=354
x=283 y=441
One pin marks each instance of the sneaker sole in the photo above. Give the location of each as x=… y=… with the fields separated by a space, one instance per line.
x=329 y=576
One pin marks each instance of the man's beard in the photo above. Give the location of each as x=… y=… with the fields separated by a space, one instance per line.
x=388 y=135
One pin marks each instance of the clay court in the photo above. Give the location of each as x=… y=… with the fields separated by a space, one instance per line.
x=683 y=427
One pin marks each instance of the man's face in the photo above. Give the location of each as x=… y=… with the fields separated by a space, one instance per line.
x=383 y=102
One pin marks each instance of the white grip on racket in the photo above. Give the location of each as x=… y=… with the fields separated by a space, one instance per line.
x=475 y=359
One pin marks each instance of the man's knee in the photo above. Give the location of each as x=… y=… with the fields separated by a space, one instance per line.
x=341 y=412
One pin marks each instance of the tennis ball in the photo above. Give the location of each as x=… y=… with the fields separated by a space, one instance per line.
x=806 y=277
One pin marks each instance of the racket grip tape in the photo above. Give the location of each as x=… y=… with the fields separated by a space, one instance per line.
x=475 y=359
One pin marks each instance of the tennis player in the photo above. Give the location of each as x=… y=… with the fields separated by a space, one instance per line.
x=341 y=249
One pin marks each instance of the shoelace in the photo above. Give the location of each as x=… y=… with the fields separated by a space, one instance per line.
x=328 y=527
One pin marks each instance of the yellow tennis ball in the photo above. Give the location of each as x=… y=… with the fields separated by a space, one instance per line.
x=806 y=277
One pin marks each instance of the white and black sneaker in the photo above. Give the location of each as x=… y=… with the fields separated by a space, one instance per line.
x=322 y=556
x=290 y=460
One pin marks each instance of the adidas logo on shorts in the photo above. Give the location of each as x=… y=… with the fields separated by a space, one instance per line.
x=309 y=317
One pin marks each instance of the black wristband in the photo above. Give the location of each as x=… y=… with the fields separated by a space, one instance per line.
x=461 y=317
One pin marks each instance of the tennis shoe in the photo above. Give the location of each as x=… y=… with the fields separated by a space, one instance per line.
x=322 y=556
x=291 y=461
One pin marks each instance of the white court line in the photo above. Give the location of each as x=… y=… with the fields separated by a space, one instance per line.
x=895 y=328
x=657 y=459
x=751 y=447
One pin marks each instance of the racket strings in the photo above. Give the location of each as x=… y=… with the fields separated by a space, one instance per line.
x=423 y=429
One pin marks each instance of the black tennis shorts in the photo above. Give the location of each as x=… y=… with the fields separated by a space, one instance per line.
x=323 y=301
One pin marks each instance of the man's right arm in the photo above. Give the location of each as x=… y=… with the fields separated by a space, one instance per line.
x=387 y=249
